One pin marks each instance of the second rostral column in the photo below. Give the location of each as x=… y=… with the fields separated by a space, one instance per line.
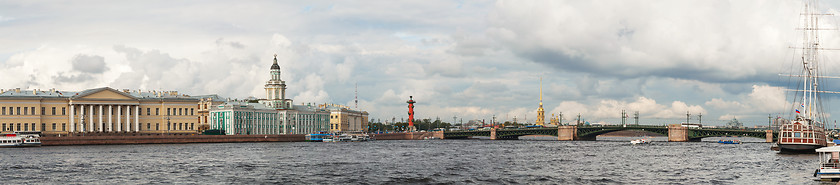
x=411 y=114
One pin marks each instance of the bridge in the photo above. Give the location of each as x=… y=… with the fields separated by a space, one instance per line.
x=675 y=133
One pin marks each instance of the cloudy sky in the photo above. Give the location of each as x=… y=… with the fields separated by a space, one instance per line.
x=470 y=59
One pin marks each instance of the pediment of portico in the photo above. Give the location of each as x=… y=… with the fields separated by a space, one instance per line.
x=103 y=95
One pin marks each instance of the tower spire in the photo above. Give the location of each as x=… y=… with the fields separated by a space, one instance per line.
x=540 y=91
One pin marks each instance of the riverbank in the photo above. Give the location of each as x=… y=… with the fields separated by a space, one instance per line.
x=166 y=139
x=111 y=139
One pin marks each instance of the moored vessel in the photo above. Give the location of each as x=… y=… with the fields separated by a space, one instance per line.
x=829 y=168
x=806 y=132
x=21 y=139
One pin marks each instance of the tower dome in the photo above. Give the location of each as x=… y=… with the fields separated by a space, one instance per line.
x=275 y=66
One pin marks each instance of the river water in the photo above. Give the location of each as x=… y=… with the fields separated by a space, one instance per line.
x=610 y=160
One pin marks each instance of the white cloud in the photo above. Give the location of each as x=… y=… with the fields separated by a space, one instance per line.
x=473 y=59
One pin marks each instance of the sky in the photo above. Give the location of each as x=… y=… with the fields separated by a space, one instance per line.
x=464 y=59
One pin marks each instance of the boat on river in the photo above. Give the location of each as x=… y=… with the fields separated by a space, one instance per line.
x=729 y=141
x=829 y=168
x=806 y=132
x=21 y=139
x=640 y=141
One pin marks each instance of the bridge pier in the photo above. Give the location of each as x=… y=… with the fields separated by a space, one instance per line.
x=677 y=133
x=567 y=133
x=492 y=133
x=438 y=134
x=769 y=136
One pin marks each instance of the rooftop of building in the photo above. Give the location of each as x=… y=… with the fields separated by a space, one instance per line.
x=53 y=93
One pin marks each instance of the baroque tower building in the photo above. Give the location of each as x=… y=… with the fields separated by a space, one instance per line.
x=540 y=111
x=275 y=89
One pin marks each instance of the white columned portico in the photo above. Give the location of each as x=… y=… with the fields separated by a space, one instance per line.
x=119 y=121
x=90 y=121
x=100 y=119
x=110 y=118
x=72 y=119
x=127 y=118
x=137 y=118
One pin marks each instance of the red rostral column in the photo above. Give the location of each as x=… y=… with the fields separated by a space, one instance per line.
x=410 y=111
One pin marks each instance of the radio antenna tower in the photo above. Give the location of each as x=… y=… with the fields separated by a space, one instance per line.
x=357 y=96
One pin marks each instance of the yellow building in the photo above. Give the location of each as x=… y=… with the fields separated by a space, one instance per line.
x=206 y=103
x=344 y=119
x=100 y=110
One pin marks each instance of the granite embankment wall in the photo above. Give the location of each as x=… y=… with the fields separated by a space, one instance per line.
x=166 y=139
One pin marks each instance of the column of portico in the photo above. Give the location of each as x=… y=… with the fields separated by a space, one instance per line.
x=137 y=118
x=100 y=119
x=127 y=118
x=81 y=118
x=72 y=119
x=90 y=121
x=119 y=121
x=110 y=118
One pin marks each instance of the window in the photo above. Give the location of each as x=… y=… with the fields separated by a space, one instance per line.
x=64 y=111
x=148 y=111
x=157 y=126
x=157 y=111
x=25 y=109
x=4 y=111
x=53 y=112
x=33 y=113
x=43 y=126
x=4 y=126
x=180 y=126
x=53 y=127
x=168 y=125
x=192 y=126
x=63 y=127
x=167 y=112
x=43 y=111
x=180 y=111
x=192 y=111
x=148 y=125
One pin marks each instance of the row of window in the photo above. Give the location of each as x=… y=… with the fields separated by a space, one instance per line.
x=798 y=134
x=25 y=110
x=31 y=111
x=31 y=126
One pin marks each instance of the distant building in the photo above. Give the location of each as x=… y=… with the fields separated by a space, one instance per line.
x=277 y=115
x=343 y=119
x=100 y=110
x=205 y=103
x=734 y=123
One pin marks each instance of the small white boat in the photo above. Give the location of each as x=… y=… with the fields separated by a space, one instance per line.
x=829 y=163
x=640 y=141
x=430 y=138
x=20 y=139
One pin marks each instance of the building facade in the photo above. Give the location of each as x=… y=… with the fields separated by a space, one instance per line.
x=273 y=115
x=205 y=103
x=344 y=119
x=100 y=110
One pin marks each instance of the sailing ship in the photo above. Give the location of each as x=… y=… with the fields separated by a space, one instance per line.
x=806 y=132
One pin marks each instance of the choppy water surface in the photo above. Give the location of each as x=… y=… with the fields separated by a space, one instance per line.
x=607 y=161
